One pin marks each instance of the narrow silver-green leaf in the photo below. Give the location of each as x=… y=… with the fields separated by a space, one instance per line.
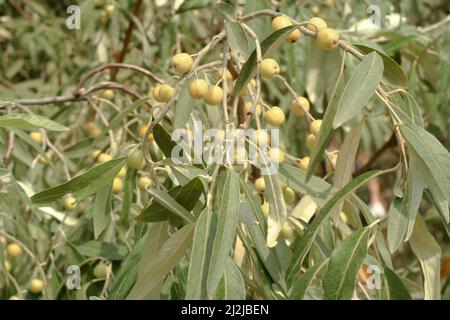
x=394 y=289
x=277 y=209
x=171 y=204
x=397 y=224
x=29 y=121
x=237 y=39
x=303 y=281
x=232 y=287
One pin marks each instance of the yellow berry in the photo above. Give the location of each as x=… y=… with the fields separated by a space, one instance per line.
x=248 y=107
x=36 y=136
x=100 y=270
x=156 y=93
x=214 y=95
x=240 y=155
x=275 y=116
x=327 y=39
x=198 y=88
x=182 y=63
x=246 y=91
x=122 y=172
x=310 y=141
x=281 y=22
x=228 y=75
x=104 y=17
x=117 y=185
x=289 y=195
x=95 y=154
x=299 y=106
x=8 y=266
x=304 y=163
x=269 y=68
x=265 y=209
x=316 y=24
x=166 y=93
x=143 y=182
x=260 y=137
x=293 y=36
x=260 y=185
x=93 y=130
x=314 y=127
x=343 y=217
x=108 y=94
x=109 y=9
x=142 y=132
x=45 y=159
x=135 y=159
x=287 y=231
x=70 y=203
x=13 y=250
x=36 y=286
x=276 y=155
x=103 y=157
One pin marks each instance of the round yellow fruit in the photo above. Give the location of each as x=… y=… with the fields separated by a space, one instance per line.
x=327 y=39
x=36 y=136
x=286 y=231
x=122 y=172
x=45 y=159
x=260 y=185
x=70 y=203
x=304 y=163
x=293 y=36
x=310 y=141
x=214 y=95
x=276 y=155
x=156 y=93
x=117 y=185
x=107 y=94
x=103 y=157
x=198 y=88
x=316 y=24
x=269 y=68
x=265 y=209
x=260 y=137
x=289 y=195
x=93 y=130
x=135 y=159
x=95 y=154
x=13 y=250
x=36 y=286
x=248 y=107
x=142 y=132
x=182 y=63
x=8 y=266
x=240 y=155
x=299 y=106
x=143 y=182
x=166 y=93
x=281 y=22
x=314 y=127
x=100 y=270
x=109 y=9
x=275 y=116
x=228 y=75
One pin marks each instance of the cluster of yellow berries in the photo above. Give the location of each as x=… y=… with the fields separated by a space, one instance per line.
x=314 y=129
x=107 y=12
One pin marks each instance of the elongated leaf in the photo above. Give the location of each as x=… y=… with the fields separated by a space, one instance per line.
x=165 y=260
x=359 y=89
x=303 y=281
x=94 y=175
x=277 y=209
x=170 y=204
x=428 y=253
x=394 y=289
x=164 y=140
x=192 y=5
x=237 y=39
x=29 y=121
x=345 y=262
x=226 y=10
x=268 y=45
x=232 y=287
x=102 y=249
x=309 y=236
x=326 y=129
x=397 y=224
x=228 y=214
x=101 y=210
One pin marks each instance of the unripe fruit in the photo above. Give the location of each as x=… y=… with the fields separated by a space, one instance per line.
x=109 y=9
x=343 y=217
x=36 y=286
x=304 y=163
x=13 y=250
x=108 y=94
x=269 y=68
x=182 y=63
x=293 y=36
x=327 y=39
x=70 y=203
x=276 y=155
x=117 y=185
x=156 y=93
x=310 y=141
x=289 y=195
x=265 y=209
x=122 y=172
x=104 y=17
x=314 y=127
x=166 y=93
x=143 y=182
x=275 y=116
x=7 y=265
x=248 y=107
x=99 y=3
x=36 y=136
x=100 y=270
x=95 y=154
x=93 y=130
x=103 y=157
x=214 y=95
x=299 y=106
x=287 y=231
x=45 y=159
x=142 y=132
x=228 y=75
x=260 y=185
x=135 y=159
x=281 y=22
x=260 y=138
x=198 y=88
x=316 y=24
